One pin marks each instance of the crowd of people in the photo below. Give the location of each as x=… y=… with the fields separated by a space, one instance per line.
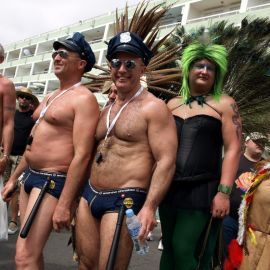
x=181 y=157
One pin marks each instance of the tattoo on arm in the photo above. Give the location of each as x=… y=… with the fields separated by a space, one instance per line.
x=236 y=120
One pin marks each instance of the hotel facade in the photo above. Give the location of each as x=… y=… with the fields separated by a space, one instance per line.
x=29 y=63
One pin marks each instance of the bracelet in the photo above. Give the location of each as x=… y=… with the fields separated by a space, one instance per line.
x=224 y=189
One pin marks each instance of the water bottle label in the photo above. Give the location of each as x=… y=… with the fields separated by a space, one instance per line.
x=134 y=232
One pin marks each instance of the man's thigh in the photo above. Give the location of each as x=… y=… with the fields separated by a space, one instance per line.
x=42 y=224
x=107 y=230
x=87 y=237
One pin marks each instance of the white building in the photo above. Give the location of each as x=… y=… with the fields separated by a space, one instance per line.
x=29 y=63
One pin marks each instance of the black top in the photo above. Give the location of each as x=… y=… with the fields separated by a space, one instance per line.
x=23 y=124
x=245 y=165
x=198 y=163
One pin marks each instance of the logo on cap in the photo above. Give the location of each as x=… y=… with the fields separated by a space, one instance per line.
x=125 y=37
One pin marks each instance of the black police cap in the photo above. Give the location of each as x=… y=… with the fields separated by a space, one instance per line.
x=131 y=43
x=79 y=45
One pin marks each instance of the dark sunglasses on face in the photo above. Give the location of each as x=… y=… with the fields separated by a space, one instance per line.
x=117 y=63
x=63 y=54
x=24 y=97
x=259 y=142
x=209 y=68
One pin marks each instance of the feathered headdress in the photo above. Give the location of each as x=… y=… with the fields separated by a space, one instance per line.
x=163 y=74
x=196 y=51
x=248 y=74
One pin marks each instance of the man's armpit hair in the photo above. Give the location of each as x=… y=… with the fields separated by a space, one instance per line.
x=236 y=119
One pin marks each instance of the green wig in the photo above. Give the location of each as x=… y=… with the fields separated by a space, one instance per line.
x=214 y=53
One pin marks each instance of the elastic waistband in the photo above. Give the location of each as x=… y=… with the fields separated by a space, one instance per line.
x=52 y=174
x=117 y=191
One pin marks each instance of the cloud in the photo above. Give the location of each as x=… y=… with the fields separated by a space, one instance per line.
x=24 y=19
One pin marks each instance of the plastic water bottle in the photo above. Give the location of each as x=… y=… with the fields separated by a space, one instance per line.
x=134 y=226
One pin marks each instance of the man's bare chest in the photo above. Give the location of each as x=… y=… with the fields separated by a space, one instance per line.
x=59 y=114
x=129 y=126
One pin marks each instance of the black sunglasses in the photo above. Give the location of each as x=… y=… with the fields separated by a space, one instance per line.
x=117 y=63
x=62 y=54
x=24 y=97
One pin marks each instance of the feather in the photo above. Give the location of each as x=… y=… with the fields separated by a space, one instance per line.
x=228 y=265
x=163 y=73
x=235 y=253
x=248 y=76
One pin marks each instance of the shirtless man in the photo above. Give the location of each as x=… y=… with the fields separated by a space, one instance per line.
x=7 y=108
x=136 y=159
x=59 y=149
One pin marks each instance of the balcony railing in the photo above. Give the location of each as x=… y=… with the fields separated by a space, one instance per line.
x=219 y=15
x=12 y=59
x=40 y=72
x=169 y=26
x=259 y=7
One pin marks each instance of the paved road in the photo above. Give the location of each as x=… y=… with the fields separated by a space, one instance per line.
x=58 y=256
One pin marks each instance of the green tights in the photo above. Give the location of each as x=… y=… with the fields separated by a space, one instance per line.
x=183 y=233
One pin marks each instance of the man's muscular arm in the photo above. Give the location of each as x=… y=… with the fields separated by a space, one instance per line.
x=163 y=143
x=9 y=103
x=232 y=133
x=85 y=122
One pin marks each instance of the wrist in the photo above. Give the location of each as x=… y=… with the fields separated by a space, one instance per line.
x=225 y=189
x=223 y=195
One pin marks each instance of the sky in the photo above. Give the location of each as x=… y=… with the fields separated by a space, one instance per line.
x=22 y=19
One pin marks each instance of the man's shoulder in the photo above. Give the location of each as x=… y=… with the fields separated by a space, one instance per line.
x=155 y=107
x=174 y=102
x=226 y=99
x=223 y=104
x=154 y=102
x=83 y=90
x=84 y=97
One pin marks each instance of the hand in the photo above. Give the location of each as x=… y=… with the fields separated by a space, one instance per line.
x=220 y=205
x=3 y=164
x=61 y=218
x=148 y=221
x=8 y=190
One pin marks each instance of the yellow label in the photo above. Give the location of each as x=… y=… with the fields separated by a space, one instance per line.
x=128 y=202
x=52 y=184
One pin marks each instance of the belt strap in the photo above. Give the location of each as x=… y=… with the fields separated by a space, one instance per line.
x=55 y=174
x=117 y=191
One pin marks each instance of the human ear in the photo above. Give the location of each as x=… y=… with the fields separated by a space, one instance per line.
x=82 y=64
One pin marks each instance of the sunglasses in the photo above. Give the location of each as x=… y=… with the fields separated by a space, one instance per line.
x=24 y=97
x=117 y=63
x=63 y=54
x=204 y=67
